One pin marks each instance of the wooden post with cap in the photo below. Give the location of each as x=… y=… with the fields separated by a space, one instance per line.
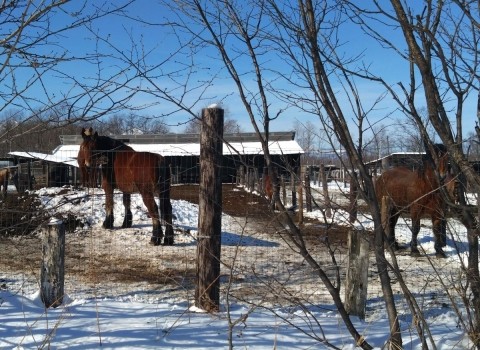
x=207 y=291
x=52 y=275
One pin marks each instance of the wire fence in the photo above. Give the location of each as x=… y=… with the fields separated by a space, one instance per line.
x=259 y=263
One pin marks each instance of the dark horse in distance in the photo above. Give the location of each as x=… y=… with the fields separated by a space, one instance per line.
x=131 y=172
x=418 y=193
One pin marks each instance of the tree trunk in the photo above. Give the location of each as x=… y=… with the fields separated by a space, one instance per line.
x=357 y=273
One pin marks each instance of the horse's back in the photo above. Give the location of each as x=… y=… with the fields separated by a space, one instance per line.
x=137 y=171
x=4 y=175
x=400 y=184
x=408 y=189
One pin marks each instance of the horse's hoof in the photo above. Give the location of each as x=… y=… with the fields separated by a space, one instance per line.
x=415 y=253
x=397 y=247
x=127 y=225
x=155 y=241
x=168 y=241
x=393 y=245
x=108 y=223
x=127 y=220
x=440 y=254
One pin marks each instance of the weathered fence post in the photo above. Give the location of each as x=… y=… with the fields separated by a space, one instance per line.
x=353 y=210
x=326 y=198
x=308 y=193
x=241 y=175
x=300 y=204
x=357 y=273
x=52 y=273
x=207 y=291
x=263 y=185
x=276 y=183
x=293 y=188
x=284 y=190
x=257 y=186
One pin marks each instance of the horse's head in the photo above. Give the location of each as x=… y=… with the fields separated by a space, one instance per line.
x=88 y=152
x=452 y=186
x=441 y=159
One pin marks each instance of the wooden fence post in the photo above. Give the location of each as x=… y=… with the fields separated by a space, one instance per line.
x=300 y=204
x=353 y=210
x=293 y=188
x=207 y=291
x=357 y=273
x=263 y=184
x=308 y=193
x=241 y=175
x=326 y=198
x=276 y=183
x=52 y=275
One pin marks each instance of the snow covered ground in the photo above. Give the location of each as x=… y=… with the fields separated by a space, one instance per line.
x=111 y=315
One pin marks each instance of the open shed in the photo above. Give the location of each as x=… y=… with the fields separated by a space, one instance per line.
x=182 y=150
x=411 y=160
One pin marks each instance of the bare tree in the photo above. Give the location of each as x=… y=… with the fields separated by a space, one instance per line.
x=37 y=71
x=440 y=45
x=308 y=137
x=223 y=18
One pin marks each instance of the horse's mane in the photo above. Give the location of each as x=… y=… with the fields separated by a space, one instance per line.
x=428 y=162
x=110 y=144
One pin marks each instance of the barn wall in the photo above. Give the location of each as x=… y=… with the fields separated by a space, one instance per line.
x=184 y=169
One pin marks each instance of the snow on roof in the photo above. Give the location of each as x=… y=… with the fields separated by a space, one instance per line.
x=231 y=148
x=68 y=157
x=67 y=154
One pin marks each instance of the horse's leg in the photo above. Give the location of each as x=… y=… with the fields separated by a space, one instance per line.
x=84 y=175
x=443 y=232
x=157 y=233
x=108 y=188
x=5 y=185
x=438 y=224
x=128 y=218
x=392 y=222
x=415 y=230
x=166 y=210
x=163 y=189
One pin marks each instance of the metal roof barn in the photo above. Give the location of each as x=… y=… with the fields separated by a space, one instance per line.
x=182 y=150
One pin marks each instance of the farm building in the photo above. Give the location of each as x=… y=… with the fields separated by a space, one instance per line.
x=411 y=160
x=241 y=151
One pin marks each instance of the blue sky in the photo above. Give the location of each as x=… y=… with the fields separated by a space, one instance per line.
x=130 y=37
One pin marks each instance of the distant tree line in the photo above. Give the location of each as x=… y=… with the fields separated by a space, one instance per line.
x=41 y=133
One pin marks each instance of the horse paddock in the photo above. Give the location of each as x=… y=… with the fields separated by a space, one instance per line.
x=258 y=264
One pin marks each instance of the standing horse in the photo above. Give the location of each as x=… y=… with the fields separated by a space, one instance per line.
x=131 y=172
x=88 y=175
x=5 y=175
x=418 y=193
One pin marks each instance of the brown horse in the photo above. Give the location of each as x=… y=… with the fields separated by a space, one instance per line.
x=84 y=170
x=5 y=175
x=418 y=193
x=131 y=172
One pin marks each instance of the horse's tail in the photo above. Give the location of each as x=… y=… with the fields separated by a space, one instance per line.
x=163 y=189
x=164 y=175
